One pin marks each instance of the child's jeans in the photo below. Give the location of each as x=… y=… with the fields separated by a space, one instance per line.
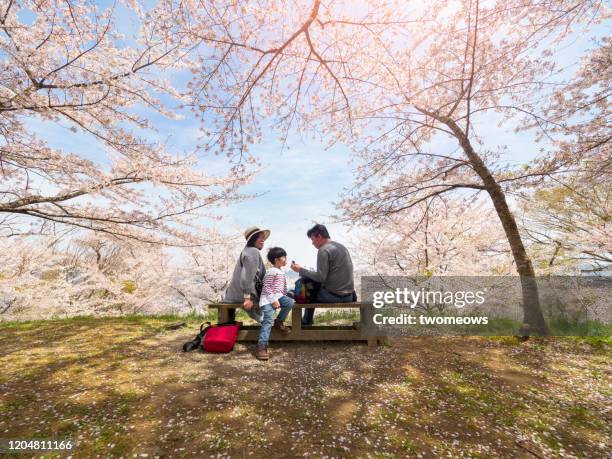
x=265 y=316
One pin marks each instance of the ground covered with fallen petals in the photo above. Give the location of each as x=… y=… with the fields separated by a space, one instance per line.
x=123 y=388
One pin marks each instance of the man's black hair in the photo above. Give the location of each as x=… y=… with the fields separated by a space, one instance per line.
x=253 y=238
x=318 y=230
x=274 y=253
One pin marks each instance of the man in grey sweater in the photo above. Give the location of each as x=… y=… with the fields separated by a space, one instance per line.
x=334 y=271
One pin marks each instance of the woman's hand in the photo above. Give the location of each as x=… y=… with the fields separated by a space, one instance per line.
x=276 y=304
x=248 y=304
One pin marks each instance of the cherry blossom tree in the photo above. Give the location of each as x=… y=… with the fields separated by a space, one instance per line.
x=437 y=238
x=204 y=274
x=30 y=276
x=47 y=277
x=569 y=225
x=117 y=277
x=71 y=64
x=41 y=278
x=567 y=220
x=410 y=86
x=580 y=111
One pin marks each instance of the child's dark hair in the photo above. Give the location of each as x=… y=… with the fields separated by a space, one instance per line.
x=274 y=253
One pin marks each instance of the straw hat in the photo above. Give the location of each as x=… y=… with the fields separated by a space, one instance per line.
x=255 y=229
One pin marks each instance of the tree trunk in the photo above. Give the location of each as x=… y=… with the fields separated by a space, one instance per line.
x=532 y=313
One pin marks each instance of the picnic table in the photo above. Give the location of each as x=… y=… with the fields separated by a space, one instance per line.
x=299 y=332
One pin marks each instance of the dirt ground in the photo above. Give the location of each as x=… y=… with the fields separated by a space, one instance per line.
x=123 y=388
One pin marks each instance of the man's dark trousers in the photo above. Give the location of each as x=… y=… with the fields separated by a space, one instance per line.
x=324 y=296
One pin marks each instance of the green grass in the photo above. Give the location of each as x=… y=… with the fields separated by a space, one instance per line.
x=408 y=447
x=599 y=342
x=158 y=320
x=140 y=319
x=564 y=327
x=582 y=417
x=557 y=327
x=335 y=315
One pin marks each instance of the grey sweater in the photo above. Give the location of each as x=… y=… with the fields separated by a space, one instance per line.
x=248 y=267
x=334 y=269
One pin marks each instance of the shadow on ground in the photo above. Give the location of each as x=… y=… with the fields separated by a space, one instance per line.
x=120 y=388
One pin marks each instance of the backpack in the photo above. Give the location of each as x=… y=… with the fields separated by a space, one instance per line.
x=306 y=290
x=215 y=338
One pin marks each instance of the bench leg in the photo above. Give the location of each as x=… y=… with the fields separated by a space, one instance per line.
x=222 y=315
x=296 y=320
x=366 y=313
x=363 y=316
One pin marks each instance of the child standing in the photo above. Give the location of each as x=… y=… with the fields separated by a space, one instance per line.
x=273 y=296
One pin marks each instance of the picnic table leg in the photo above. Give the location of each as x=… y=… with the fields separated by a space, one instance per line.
x=231 y=314
x=296 y=320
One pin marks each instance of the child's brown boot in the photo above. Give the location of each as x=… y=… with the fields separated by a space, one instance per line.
x=261 y=353
x=278 y=325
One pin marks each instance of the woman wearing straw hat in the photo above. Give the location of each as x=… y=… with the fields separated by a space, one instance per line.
x=245 y=286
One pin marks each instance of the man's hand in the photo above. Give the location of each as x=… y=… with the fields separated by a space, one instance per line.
x=276 y=304
x=296 y=267
x=248 y=304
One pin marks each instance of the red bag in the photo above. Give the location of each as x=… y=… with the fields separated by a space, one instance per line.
x=221 y=338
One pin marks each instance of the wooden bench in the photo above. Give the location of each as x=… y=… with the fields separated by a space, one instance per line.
x=227 y=312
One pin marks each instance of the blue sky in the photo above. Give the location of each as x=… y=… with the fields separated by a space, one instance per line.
x=300 y=186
